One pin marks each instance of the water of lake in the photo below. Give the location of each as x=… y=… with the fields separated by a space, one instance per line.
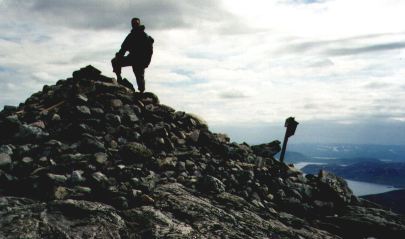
x=358 y=188
x=300 y=165
x=363 y=188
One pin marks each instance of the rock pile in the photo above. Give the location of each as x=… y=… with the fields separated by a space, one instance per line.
x=88 y=157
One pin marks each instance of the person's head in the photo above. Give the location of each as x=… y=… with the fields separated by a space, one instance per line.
x=135 y=22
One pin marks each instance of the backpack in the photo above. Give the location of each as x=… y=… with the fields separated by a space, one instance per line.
x=148 y=49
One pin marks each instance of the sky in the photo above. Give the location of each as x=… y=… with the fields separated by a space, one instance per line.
x=337 y=66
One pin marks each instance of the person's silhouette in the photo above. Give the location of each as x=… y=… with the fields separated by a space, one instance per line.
x=140 y=48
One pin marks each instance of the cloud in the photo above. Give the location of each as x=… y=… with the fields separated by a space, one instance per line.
x=104 y=14
x=377 y=85
x=301 y=1
x=311 y=106
x=339 y=46
x=232 y=94
x=321 y=63
x=366 y=49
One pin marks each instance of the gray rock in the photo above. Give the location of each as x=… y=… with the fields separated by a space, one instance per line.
x=267 y=150
x=27 y=160
x=97 y=111
x=73 y=158
x=105 y=87
x=77 y=177
x=6 y=149
x=116 y=103
x=120 y=202
x=113 y=119
x=5 y=161
x=167 y=163
x=100 y=177
x=83 y=110
x=193 y=136
x=60 y=193
x=87 y=72
x=147 y=184
x=148 y=97
x=181 y=166
x=146 y=199
x=81 y=99
x=28 y=133
x=100 y=157
x=159 y=224
x=131 y=118
x=56 y=117
x=9 y=108
x=211 y=184
x=196 y=120
x=280 y=194
x=60 y=179
x=333 y=188
x=9 y=127
x=362 y=222
x=84 y=190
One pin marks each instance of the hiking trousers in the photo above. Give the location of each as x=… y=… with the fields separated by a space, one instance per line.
x=139 y=71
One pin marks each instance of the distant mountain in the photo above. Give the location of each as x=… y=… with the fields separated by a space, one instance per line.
x=393 y=200
x=333 y=151
x=374 y=171
x=294 y=157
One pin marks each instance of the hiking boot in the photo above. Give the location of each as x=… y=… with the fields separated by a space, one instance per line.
x=126 y=83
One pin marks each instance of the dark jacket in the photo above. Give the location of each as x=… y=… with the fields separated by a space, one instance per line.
x=138 y=46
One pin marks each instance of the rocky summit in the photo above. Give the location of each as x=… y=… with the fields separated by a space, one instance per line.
x=90 y=158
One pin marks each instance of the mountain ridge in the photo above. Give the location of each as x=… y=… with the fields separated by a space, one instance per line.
x=373 y=171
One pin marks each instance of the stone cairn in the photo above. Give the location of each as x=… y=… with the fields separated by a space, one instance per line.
x=89 y=138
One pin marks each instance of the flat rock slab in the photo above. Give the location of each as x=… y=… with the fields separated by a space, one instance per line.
x=25 y=218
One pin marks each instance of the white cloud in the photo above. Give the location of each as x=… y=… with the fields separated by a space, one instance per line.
x=230 y=60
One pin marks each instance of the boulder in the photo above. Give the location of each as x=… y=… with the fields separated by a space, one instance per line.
x=135 y=152
x=211 y=184
x=333 y=188
x=267 y=150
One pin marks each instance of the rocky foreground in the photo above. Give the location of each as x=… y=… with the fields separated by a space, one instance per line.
x=90 y=158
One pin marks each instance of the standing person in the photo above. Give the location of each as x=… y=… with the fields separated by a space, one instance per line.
x=140 y=48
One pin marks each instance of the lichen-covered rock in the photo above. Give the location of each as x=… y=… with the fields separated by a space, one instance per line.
x=135 y=152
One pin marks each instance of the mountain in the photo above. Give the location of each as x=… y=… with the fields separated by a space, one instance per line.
x=393 y=200
x=374 y=171
x=90 y=158
x=325 y=152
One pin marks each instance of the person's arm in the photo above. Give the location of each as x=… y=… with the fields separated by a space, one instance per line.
x=124 y=46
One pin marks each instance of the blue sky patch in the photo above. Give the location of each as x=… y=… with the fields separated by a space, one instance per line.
x=5 y=69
